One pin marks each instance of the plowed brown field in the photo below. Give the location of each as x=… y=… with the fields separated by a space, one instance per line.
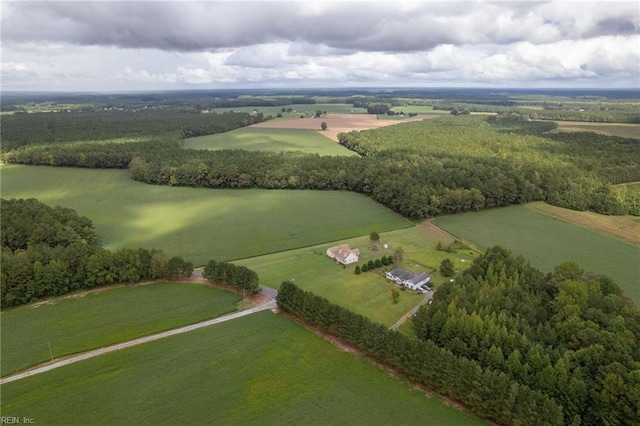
x=337 y=123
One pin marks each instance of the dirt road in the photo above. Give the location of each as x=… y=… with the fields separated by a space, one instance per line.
x=428 y=296
x=271 y=304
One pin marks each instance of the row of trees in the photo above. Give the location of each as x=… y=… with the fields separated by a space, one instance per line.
x=572 y=336
x=53 y=251
x=237 y=276
x=488 y=392
x=374 y=264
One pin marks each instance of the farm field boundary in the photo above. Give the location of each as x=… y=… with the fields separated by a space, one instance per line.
x=131 y=343
x=38 y=332
x=199 y=224
x=337 y=123
x=262 y=368
x=624 y=227
x=270 y=139
x=625 y=130
x=547 y=241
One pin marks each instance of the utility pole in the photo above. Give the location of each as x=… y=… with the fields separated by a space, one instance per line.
x=50 y=351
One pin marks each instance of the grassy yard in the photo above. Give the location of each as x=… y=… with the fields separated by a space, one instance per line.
x=369 y=293
x=199 y=223
x=262 y=369
x=265 y=139
x=71 y=325
x=547 y=241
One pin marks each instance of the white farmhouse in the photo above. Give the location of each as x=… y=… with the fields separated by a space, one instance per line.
x=410 y=279
x=343 y=254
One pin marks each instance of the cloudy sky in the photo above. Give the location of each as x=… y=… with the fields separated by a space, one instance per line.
x=158 y=45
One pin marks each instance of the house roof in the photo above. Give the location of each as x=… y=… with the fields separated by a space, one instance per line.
x=419 y=277
x=342 y=252
x=404 y=275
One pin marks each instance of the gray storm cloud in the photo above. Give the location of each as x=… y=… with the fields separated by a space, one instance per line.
x=389 y=27
x=87 y=45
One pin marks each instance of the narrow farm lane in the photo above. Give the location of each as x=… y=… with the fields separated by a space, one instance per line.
x=270 y=292
x=271 y=304
x=428 y=296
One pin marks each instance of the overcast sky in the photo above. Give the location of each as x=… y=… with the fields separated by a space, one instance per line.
x=158 y=45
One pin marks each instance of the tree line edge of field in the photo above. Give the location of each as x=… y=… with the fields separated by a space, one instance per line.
x=513 y=344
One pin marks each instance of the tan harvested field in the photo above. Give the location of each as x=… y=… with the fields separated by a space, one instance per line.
x=624 y=130
x=337 y=123
x=624 y=227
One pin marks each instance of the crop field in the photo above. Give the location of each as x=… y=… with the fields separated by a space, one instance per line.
x=337 y=123
x=265 y=139
x=199 y=223
x=547 y=241
x=369 y=293
x=625 y=227
x=259 y=369
x=625 y=130
x=77 y=324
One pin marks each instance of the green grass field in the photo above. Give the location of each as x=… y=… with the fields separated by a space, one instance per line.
x=262 y=369
x=199 y=223
x=547 y=241
x=369 y=293
x=71 y=325
x=265 y=139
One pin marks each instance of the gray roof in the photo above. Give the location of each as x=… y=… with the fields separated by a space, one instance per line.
x=409 y=276
x=420 y=277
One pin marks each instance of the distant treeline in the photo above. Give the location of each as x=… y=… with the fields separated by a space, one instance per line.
x=19 y=130
x=421 y=169
x=53 y=251
x=513 y=344
x=592 y=112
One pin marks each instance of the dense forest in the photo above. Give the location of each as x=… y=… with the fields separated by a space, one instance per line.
x=513 y=344
x=421 y=169
x=573 y=336
x=53 y=251
x=19 y=130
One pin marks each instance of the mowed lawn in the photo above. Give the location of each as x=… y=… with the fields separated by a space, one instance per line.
x=199 y=223
x=71 y=325
x=547 y=241
x=369 y=293
x=265 y=139
x=260 y=369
